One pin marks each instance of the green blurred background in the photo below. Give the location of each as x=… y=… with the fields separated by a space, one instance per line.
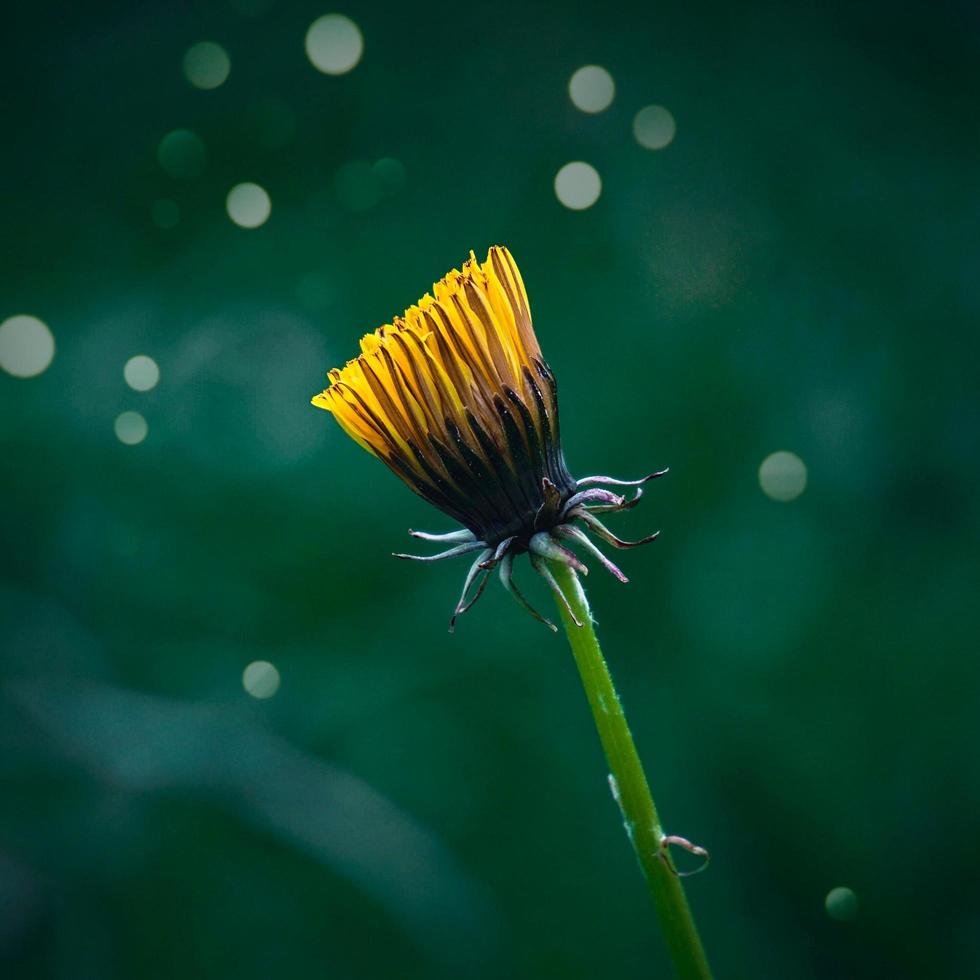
x=797 y=269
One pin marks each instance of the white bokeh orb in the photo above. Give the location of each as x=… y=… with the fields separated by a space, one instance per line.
x=261 y=679
x=591 y=88
x=141 y=373
x=782 y=476
x=248 y=205
x=334 y=44
x=26 y=346
x=578 y=185
x=131 y=428
x=206 y=65
x=654 y=127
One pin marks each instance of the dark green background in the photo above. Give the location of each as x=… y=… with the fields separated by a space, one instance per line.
x=799 y=270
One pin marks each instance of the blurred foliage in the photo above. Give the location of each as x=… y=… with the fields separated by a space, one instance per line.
x=798 y=270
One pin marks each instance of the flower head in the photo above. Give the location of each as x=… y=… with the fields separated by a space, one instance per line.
x=457 y=400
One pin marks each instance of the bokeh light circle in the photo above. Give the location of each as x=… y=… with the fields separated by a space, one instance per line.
x=248 y=205
x=182 y=154
x=141 y=373
x=260 y=679
x=578 y=185
x=206 y=65
x=841 y=904
x=654 y=127
x=26 y=346
x=334 y=44
x=591 y=88
x=782 y=476
x=131 y=428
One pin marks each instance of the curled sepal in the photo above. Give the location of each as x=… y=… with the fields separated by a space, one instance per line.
x=610 y=481
x=612 y=500
x=541 y=567
x=499 y=553
x=450 y=537
x=545 y=546
x=625 y=503
x=595 y=525
x=506 y=579
x=471 y=575
x=460 y=549
x=574 y=534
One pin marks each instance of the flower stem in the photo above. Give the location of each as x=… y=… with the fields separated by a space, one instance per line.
x=629 y=783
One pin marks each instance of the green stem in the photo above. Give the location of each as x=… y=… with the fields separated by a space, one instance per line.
x=630 y=786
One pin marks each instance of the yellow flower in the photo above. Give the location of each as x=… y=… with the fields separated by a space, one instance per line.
x=457 y=400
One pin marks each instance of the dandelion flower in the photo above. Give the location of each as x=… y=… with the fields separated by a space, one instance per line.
x=457 y=400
